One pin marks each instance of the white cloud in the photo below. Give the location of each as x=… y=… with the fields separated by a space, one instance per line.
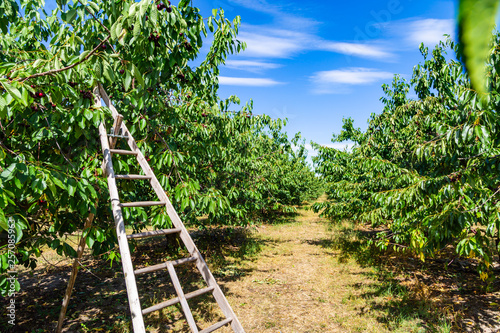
x=273 y=43
x=251 y=66
x=356 y=49
x=246 y=81
x=280 y=13
x=429 y=31
x=338 y=81
x=356 y=75
x=282 y=43
x=409 y=33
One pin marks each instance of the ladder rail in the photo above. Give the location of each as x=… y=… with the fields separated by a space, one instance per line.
x=128 y=270
x=176 y=221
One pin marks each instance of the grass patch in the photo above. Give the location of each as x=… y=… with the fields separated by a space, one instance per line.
x=300 y=275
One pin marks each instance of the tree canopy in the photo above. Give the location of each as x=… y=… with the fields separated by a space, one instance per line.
x=426 y=170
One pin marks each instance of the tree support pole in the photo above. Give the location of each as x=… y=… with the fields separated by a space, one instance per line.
x=74 y=272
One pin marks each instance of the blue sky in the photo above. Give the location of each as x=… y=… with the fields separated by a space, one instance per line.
x=315 y=62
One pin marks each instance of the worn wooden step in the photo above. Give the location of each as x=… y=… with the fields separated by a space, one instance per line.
x=154 y=233
x=143 y=204
x=122 y=152
x=132 y=177
x=176 y=300
x=217 y=325
x=163 y=265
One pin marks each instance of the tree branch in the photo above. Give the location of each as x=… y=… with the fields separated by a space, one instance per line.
x=53 y=71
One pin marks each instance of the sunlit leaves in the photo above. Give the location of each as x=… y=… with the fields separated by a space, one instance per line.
x=426 y=169
x=476 y=19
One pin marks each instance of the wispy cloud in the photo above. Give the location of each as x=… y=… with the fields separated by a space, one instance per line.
x=246 y=81
x=251 y=66
x=429 y=31
x=265 y=42
x=357 y=75
x=337 y=81
x=279 y=12
x=413 y=31
x=273 y=43
x=357 y=49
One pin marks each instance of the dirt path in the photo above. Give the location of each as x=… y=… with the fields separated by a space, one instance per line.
x=297 y=285
x=299 y=276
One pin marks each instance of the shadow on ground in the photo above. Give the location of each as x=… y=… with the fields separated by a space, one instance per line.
x=444 y=294
x=99 y=300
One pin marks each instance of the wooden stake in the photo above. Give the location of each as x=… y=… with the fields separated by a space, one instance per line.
x=74 y=272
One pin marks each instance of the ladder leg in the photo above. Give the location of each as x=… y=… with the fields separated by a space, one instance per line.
x=182 y=298
x=128 y=272
x=218 y=294
x=128 y=269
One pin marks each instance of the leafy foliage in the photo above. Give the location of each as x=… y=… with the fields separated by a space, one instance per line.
x=426 y=170
x=476 y=20
x=229 y=166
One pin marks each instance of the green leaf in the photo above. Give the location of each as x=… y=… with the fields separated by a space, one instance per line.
x=94 y=6
x=132 y=10
x=98 y=69
x=99 y=235
x=3 y=221
x=83 y=55
x=127 y=81
x=138 y=75
x=114 y=33
x=121 y=37
x=116 y=30
x=476 y=20
x=14 y=92
x=154 y=15
x=58 y=182
x=90 y=240
x=69 y=251
x=71 y=186
x=137 y=27
x=108 y=73
x=144 y=7
x=9 y=173
x=70 y=15
x=88 y=114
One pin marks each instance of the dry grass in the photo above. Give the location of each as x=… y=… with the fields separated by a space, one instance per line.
x=298 y=285
x=301 y=275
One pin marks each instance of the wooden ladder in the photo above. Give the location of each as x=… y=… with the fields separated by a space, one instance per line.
x=108 y=142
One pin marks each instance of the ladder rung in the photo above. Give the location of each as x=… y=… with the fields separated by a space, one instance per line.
x=153 y=233
x=175 y=300
x=132 y=177
x=163 y=265
x=122 y=152
x=143 y=204
x=118 y=136
x=217 y=325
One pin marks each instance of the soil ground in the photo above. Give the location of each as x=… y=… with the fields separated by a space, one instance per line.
x=299 y=275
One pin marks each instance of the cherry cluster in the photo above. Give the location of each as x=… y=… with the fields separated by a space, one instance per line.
x=37 y=94
x=155 y=37
x=86 y=94
x=188 y=46
x=162 y=6
x=182 y=78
